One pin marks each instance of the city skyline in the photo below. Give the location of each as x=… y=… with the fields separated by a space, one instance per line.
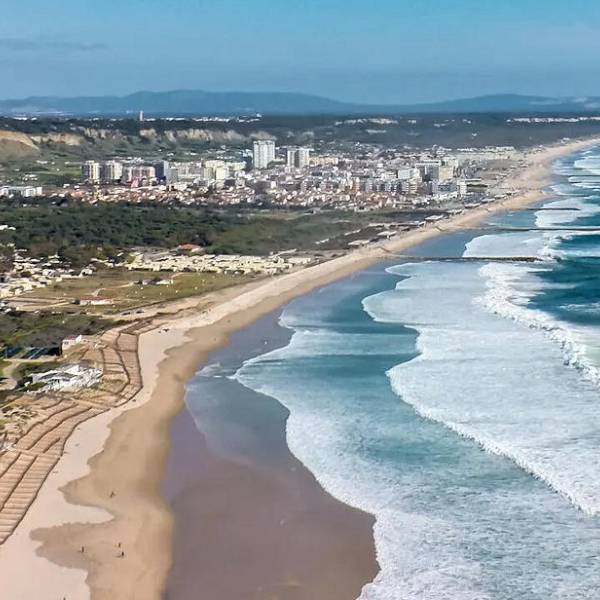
x=395 y=52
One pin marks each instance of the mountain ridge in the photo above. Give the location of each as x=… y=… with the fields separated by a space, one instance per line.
x=201 y=103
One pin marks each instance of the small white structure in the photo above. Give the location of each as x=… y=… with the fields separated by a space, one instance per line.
x=93 y=301
x=67 y=377
x=70 y=341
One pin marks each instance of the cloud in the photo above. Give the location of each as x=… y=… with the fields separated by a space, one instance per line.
x=32 y=45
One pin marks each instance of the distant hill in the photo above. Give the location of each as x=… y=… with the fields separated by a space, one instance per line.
x=197 y=102
x=181 y=102
x=512 y=103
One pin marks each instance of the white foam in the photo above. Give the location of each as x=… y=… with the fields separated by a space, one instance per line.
x=494 y=381
x=510 y=288
x=562 y=189
x=419 y=554
x=564 y=212
x=589 y=163
x=538 y=244
x=507 y=245
x=211 y=370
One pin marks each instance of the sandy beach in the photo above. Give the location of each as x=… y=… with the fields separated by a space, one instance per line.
x=100 y=527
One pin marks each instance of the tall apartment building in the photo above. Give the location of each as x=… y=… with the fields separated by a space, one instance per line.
x=302 y=157
x=263 y=153
x=460 y=186
x=90 y=171
x=440 y=173
x=297 y=157
x=409 y=186
x=290 y=157
x=429 y=168
x=111 y=171
x=137 y=172
x=161 y=169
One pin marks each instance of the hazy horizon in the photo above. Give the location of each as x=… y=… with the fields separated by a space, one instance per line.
x=441 y=99
x=394 y=53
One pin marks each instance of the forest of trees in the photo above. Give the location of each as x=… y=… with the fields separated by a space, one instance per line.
x=79 y=231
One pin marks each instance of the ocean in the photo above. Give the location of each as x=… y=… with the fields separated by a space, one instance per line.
x=457 y=402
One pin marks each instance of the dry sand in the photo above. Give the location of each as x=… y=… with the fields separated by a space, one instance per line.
x=125 y=451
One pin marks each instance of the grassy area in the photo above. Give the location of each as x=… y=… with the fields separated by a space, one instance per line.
x=104 y=282
x=183 y=285
x=45 y=328
x=49 y=171
x=124 y=289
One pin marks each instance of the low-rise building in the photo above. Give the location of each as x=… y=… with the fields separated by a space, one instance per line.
x=70 y=341
x=93 y=301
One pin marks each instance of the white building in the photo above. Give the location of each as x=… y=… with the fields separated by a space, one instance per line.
x=460 y=187
x=297 y=157
x=25 y=191
x=441 y=172
x=409 y=186
x=290 y=157
x=136 y=172
x=407 y=172
x=110 y=171
x=263 y=153
x=90 y=171
x=429 y=167
x=302 y=157
x=67 y=377
x=70 y=341
x=215 y=170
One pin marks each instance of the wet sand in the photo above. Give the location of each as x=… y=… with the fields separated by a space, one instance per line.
x=250 y=520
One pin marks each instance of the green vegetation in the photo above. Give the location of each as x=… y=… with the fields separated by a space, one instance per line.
x=45 y=328
x=105 y=282
x=79 y=232
x=53 y=171
x=183 y=285
x=3 y=365
x=126 y=290
x=283 y=231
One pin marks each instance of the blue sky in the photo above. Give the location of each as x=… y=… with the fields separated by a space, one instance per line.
x=377 y=51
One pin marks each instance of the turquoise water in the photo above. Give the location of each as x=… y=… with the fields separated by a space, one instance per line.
x=458 y=403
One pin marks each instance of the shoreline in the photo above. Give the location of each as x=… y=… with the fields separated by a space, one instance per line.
x=125 y=450
x=250 y=519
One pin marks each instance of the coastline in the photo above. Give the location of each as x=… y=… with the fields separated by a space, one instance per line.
x=250 y=519
x=127 y=448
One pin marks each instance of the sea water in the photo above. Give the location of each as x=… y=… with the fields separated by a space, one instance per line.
x=458 y=402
